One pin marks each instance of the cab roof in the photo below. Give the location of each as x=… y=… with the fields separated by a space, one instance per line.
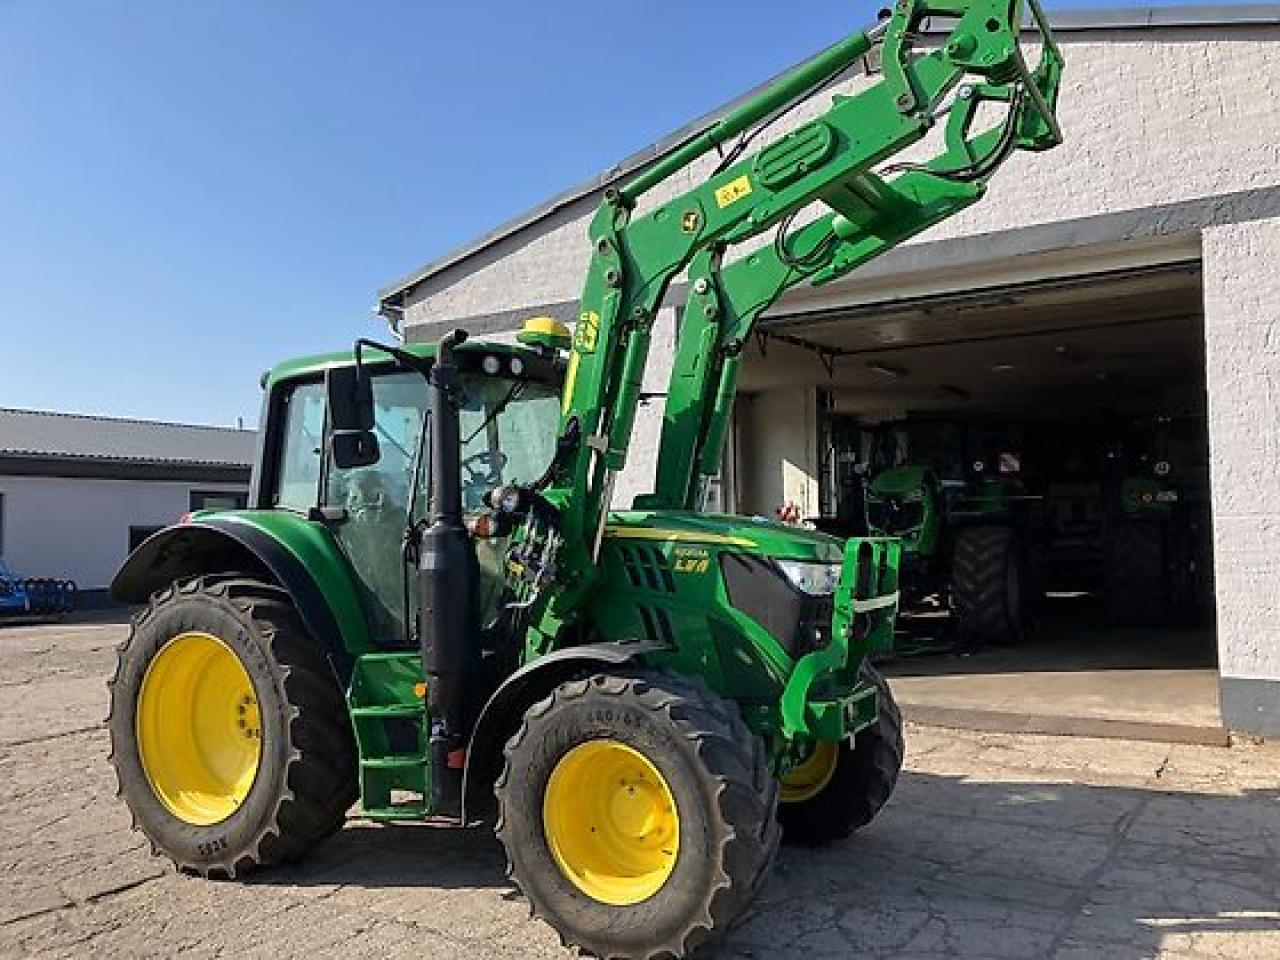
x=315 y=365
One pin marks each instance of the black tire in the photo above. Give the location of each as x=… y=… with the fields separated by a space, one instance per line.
x=725 y=795
x=1137 y=590
x=989 y=585
x=306 y=774
x=862 y=783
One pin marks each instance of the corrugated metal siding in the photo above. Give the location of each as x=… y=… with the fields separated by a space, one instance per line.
x=36 y=433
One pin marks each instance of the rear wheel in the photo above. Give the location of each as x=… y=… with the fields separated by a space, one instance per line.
x=989 y=585
x=841 y=788
x=229 y=735
x=637 y=813
x=1136 y=583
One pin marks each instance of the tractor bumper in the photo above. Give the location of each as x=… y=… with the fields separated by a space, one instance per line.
x=824 y=697
x=842 y=717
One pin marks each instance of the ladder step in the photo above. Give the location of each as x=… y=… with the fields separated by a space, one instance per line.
x=396 y=762
x=394 y=710
x=383 y=656
x=401 y=811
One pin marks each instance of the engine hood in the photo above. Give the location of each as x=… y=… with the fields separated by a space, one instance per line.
x=725 y=532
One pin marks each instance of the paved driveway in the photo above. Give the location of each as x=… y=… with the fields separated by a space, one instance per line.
x=994 y=846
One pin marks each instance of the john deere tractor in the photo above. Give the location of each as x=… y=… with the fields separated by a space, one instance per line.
x=433 y=609
x=963 y=547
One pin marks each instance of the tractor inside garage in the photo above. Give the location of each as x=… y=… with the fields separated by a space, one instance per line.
x=1042 y=449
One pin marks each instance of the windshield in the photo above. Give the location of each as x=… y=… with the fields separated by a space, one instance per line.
x=508 y=432
x=894 y=516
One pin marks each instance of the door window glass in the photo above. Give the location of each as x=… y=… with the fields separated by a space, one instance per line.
x=298 y=473
x=376 y=501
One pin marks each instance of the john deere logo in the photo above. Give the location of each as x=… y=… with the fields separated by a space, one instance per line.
x=584 y=337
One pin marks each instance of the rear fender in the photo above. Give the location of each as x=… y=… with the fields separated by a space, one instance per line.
x=531 y=683
x=289 y=550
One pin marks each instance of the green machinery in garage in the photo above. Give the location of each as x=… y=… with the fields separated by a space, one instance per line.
x=968 y=549
x=432 y=602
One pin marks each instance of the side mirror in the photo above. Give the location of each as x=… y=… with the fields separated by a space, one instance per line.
x=351 y=439
x=354 y=448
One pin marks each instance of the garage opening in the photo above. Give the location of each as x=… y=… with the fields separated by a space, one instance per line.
x=1042 y=449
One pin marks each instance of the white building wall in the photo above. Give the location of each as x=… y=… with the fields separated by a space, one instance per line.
x=642 y=459
x=78 y=529
x=1150 y=117
x=1242 y=348
x=778 y=451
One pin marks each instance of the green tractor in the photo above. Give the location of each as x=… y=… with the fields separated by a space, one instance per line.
x=1156 y=548
x=432 y=608
x=1141 y=546
x=966 y=551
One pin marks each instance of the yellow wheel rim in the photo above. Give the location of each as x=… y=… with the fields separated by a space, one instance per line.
x=811 y=777
x=198 y=728
x=611 y=822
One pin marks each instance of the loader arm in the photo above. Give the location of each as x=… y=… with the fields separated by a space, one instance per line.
x=830 y=161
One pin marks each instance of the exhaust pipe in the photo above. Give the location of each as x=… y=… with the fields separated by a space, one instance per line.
x=448 y=577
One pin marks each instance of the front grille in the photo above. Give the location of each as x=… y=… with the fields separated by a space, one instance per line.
x=647 y=567
x=800 y=623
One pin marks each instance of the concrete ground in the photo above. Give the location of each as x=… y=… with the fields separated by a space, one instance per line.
x=994 y=846
x=1078 y=674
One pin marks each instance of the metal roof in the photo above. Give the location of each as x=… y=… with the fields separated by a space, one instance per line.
x=45 y=434
x=1063 y=22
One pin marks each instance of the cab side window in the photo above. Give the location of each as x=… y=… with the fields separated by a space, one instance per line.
x=301 y=446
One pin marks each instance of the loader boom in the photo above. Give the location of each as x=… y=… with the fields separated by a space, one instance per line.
x=835 y=162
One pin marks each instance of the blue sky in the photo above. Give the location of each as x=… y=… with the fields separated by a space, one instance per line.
x=191 y=191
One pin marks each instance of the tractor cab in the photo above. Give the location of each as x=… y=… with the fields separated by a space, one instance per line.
x=373 y=483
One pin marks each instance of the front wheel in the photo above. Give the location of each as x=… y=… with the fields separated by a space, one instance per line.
x=840 y=788
x=989 y=588
x=637 y=813
x=1136 y=583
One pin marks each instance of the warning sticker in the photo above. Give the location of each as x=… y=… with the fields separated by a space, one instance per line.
x=733 y=191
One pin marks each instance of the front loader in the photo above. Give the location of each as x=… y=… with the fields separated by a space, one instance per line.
x=433 y=608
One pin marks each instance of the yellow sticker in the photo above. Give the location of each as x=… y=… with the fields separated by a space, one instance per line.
x=584 y=337
x=584 y=342
x=570 y=380
x=733 y=191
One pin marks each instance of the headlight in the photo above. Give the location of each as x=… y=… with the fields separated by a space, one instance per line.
x=815 y=579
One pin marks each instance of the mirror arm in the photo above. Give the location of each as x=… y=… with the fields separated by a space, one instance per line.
x=413 y=362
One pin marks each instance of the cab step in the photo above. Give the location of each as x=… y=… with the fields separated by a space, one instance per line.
x=387 y=703
x=398 y=811
x=397 y=762
x=391 y=710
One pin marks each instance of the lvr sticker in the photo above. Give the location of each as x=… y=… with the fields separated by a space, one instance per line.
x=733 y=191
x=691 y=560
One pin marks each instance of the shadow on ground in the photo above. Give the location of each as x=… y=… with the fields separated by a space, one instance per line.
x=398 y=855
x=953 y=868
x=1074 y=634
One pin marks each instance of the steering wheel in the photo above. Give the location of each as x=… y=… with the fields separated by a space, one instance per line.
x=484 y=467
